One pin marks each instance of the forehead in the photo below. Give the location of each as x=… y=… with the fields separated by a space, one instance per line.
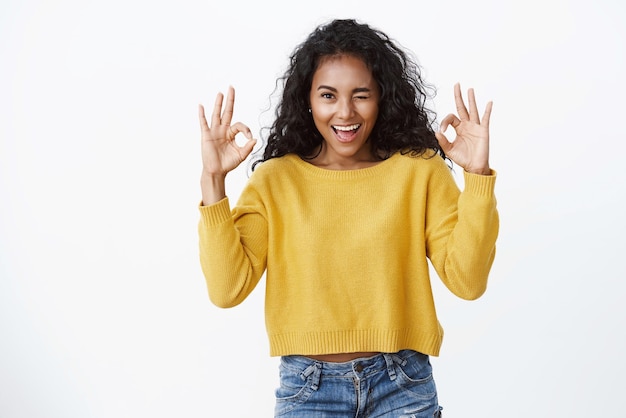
x=342 y=68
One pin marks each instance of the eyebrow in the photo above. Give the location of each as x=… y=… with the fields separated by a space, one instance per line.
x=356 y=90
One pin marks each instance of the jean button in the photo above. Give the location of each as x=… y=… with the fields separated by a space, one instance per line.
x=358 y=367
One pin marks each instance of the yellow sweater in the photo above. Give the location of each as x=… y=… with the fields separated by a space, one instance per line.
x=346 y=251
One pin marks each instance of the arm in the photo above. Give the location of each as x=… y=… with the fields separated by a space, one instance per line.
x=461 y=233
x=232 y=247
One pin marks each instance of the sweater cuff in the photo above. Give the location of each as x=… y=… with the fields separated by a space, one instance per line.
x=480 y=185
x=215 y=213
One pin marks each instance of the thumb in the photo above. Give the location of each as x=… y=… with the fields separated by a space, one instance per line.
x=247 y=148
x=443 y=142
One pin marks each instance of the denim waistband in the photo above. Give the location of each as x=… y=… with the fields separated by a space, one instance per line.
x=360 y=367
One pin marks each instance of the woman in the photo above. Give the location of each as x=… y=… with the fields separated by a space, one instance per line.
x=350 y=199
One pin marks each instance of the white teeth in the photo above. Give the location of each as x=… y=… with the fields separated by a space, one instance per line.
x=347 y=128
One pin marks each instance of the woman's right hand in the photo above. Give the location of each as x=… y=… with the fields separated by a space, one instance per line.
x=220 y=152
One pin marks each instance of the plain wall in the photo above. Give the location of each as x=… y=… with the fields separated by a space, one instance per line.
x=103 y=308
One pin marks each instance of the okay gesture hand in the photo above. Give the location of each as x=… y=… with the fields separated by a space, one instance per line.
x=470 y=149
x=220 y=152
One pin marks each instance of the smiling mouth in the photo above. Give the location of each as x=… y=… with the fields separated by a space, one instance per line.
x=346 y=133
x=347 y=128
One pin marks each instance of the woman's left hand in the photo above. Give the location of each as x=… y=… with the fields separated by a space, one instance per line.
x=470 y=149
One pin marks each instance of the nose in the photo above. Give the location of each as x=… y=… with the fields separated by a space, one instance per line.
x=345 y=108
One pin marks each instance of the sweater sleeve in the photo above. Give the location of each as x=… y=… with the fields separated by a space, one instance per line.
x=461 y=231
x=233 y=248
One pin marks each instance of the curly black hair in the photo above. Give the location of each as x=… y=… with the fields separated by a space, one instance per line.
x=403 y=124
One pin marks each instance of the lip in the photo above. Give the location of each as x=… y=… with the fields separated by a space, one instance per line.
x=351 y=131
x=351 y=127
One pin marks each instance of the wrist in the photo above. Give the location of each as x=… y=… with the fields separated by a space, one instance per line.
x=213 y=188
x=212 y=177
x=480 y=171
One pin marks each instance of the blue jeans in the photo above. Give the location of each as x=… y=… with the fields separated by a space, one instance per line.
x=396 y=385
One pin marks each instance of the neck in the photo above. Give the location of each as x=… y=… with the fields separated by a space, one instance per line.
x=335 y=161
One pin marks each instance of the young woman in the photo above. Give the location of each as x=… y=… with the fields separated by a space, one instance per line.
x=351 y=197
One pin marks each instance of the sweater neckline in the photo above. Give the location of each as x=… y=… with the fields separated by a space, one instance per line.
x=341 y=174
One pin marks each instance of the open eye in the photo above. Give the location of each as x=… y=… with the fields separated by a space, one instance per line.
x=327 y=95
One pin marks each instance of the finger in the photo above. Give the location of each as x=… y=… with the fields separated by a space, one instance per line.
x=239 y=127
x=460 y=105
x=487 y=115
x=450 y=119
x=227 y=116
x=473 y=109
x=204 y=126
x=217 y=110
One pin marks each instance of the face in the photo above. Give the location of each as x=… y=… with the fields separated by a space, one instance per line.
x=344 y=105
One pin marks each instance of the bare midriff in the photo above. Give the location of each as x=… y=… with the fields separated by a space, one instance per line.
x=342 y=357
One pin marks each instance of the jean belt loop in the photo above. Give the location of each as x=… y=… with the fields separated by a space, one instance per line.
x=315 y=370
x=398 y=359
x=391 y=370
x=317 y=374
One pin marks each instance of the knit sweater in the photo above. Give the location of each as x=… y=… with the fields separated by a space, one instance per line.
x=345 y=252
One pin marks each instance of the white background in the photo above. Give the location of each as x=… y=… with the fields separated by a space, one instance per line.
x=103 y=308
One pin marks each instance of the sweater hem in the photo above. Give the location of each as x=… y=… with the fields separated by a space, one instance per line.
x=480 y=185
x=215 y=214
x=353 y=341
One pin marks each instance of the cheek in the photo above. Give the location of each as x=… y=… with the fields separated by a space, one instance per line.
x=375 y=113
x=368 y=111
x=318 y=122
x=372 y=114
x=320 y=116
